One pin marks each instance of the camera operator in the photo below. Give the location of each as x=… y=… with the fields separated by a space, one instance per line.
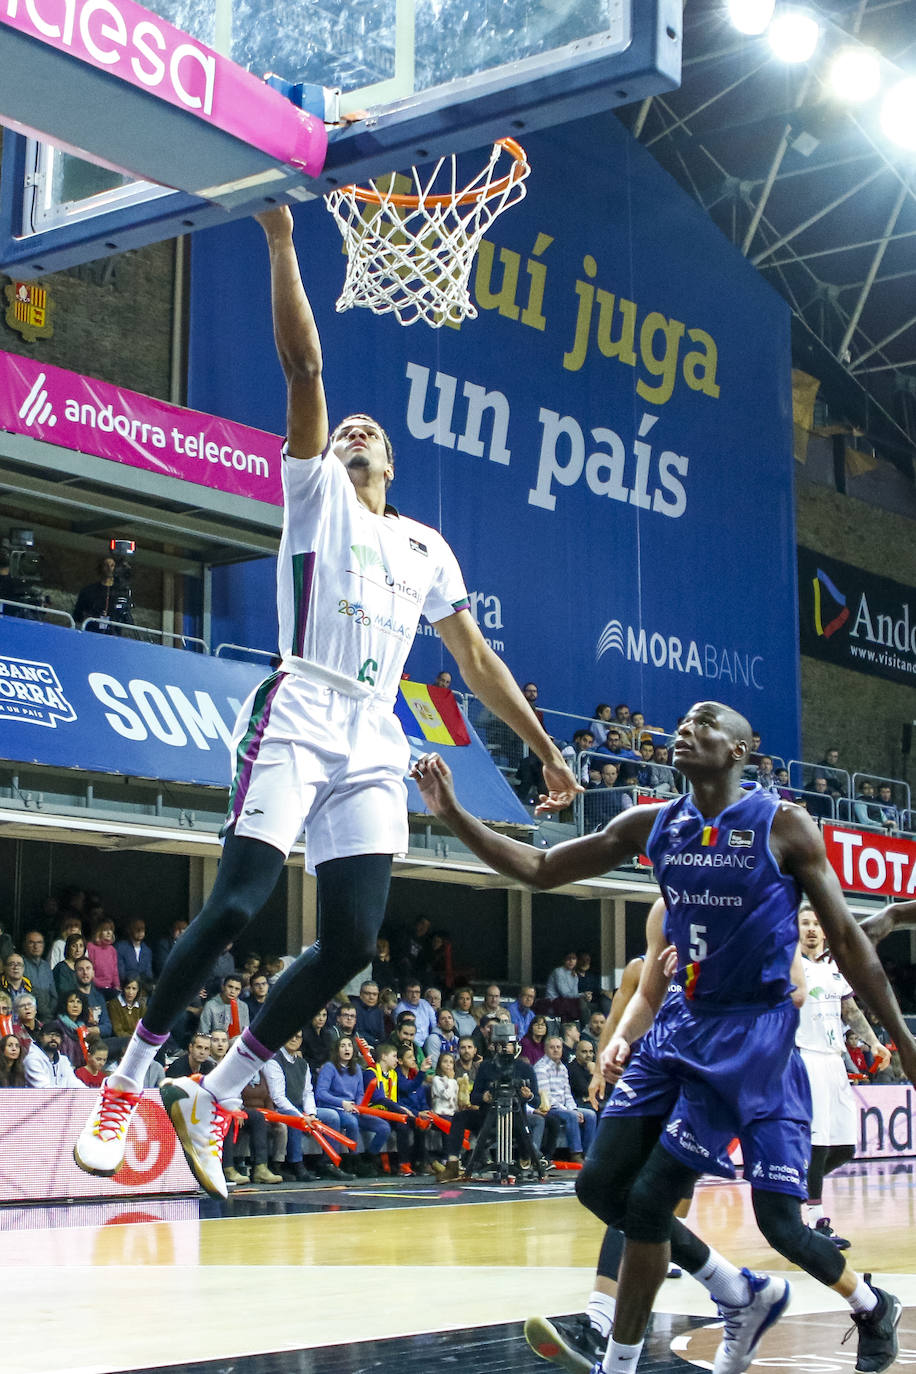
x=106 y=601
x=507 y=1083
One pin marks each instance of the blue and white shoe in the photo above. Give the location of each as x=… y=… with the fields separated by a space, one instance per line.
x=745 y=1325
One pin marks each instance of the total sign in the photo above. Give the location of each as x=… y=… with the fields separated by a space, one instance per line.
x=868 y=862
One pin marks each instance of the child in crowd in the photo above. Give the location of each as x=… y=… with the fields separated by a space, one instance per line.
x=443 y=1090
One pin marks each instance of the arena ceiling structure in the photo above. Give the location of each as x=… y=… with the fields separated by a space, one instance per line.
x=809 y=187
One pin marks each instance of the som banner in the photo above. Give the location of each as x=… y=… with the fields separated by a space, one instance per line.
x=856 y=619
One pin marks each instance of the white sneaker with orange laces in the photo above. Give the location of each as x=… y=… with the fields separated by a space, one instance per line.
x=201 y=1124
x=103 y=1140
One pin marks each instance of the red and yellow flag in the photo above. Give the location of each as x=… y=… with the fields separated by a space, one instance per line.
x=435 y=711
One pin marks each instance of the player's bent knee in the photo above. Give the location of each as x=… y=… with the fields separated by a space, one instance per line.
x=780 y=1221
x=648 y=1216
x=597 y=1193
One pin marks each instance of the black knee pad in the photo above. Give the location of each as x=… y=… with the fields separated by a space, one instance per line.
x=655 y=1193
x=780 y=1221
x=597 y=1193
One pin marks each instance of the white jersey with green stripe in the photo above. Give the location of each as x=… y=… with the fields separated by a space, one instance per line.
x=352 y=585
x=820 y=1022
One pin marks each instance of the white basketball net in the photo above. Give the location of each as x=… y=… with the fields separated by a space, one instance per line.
x=415 y=259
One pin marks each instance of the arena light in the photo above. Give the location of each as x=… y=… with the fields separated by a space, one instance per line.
x=794 y=35
x=898 y=114
x=751 y=16
x=855 y=74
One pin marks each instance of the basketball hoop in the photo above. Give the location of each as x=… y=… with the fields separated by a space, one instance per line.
x=411 y=253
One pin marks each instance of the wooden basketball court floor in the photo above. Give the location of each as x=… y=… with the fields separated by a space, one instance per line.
x=397 y=1277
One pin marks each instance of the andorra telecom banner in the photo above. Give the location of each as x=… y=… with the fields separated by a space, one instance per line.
x=607 y=446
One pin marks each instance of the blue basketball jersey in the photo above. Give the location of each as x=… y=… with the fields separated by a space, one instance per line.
x=731 y=913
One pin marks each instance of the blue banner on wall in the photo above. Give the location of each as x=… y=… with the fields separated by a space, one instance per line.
x=607 y=447
x=114 y=706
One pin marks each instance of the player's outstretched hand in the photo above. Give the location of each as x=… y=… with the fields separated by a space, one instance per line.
x=561 y=788
x=434 y=778
x=277 y=220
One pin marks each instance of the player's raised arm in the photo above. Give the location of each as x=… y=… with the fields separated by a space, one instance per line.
x=490 y=680
x=585 y=857
x=800 y=850
x=896 y=914
x=296 y=337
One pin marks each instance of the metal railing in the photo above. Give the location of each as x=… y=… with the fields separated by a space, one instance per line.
x=143 y=633
x=34 y=612
x=802 y=774
x=269 y=654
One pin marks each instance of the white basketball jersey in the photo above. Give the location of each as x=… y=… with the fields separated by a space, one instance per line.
x=351 y=585
x=820 y=1025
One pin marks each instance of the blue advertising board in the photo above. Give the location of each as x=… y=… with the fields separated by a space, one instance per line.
x=607 y=447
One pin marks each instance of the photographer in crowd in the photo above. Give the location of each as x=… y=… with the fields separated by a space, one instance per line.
x=107 y=602
x=506 y=1087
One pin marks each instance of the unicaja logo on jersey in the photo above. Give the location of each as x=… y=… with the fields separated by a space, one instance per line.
x=31 y=692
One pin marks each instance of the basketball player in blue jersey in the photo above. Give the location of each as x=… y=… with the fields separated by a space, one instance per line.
x=731 y=862
x=317 y=744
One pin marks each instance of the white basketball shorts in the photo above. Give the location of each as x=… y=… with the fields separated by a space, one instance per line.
x=833 y=1106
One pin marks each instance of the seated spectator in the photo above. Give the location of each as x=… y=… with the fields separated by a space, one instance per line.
x=388 y=1000
x=576 y=754
x=386 y=1097
x=340 y=1089
x=196 y=1058
x=266 y=1145
x=533 y=1042
x=135 y=958
x=865 y=808
x=818 y=800
x=65 y=971
x=580 y=1071
x=316 y=1042
x=255 y=995
x=782 y=784
x=405 y=1033
x=570 y=1035
x=766 y=778
x=12 y=1067
x=612 y=798
x=26 y=1024
x=433 y=996
x=92 y=1073
x=38 y=971
x=370 y=1020
x=226 y=1011
x=412 y=1093
x=492 y=1001
x=164 y=947
x=444 y=1039
x=521 y=1011
x=592 y=995
x=344 y=1023
x=126 y=1008
x=618 y=744
x=463 y=1011
x=97 y=1010
x=383 y=969
x=600 y=723
x=13 y=980
x=580 y=1123
x=420 y=1009
x=562 y=983
x=890 y=815
x=289 y=1082
x=414 y=950
x=592 y=1032
x=250 y=965
x=443 y=1089
x=69 y=924
x=101 y=950
x=45 y=1066
x=829 y=768
x=74 y=1017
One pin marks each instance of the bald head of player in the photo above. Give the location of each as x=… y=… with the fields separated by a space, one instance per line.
x=364 y=448
x=712 y=739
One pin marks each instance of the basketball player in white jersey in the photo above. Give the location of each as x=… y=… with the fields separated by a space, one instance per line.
x=829 y=1007
x=317 y=743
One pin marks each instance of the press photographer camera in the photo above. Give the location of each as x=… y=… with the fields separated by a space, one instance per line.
x=507 y=1087
x=19 y=575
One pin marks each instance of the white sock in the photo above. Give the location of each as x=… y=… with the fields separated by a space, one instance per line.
x=723 y=1281
x=246 y=1056
x=137 y=1058
x=864 y=1298
x=600 y=1311
x=815 y=1211
x=620 y=1358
